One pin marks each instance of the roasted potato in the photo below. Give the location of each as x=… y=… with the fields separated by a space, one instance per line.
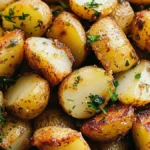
x=11 y=52
x=57 y=138
x=28 y=97
x=140 y=130
x=5 y=3
x=140 y=30
x=123 y=15
x=50 y=57
x=31 y=16
x=82 y=87
x=68 y=30
x=15 y=135
x=112 y=47
x=91 y=10
x=134 y=85
x=140 y=1
x=116 y=123
x=54 y=117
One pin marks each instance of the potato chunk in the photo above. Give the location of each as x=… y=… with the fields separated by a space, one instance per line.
x=28 y=97
x=112 y=48
x=134 y=85
x=68 y=30
x=11 y=52
x=82 y=87
x=116 y=123
x=141 y=130
x=57 y=138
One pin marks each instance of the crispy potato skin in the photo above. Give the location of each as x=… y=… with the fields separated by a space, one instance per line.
x=140 y=30
x=57 y=138
x=68 y=30
x=141 y=130
x=39 y=17
x=11 y=52
x=33 y=102
x=113 y=49
x=140 y=1
x=111 y=126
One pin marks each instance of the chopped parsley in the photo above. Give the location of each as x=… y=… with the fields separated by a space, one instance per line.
x=40 y=23
x=77 y=80
x=23 y=17
x=12 y=43
x=56 y=12
x=96 y=13
x=64 y=5
x=70 y=100
x=92 y=4
x=137 y=76
x=92 y=38
x=11 y=12
x=2 y=118
x=127 y=63
x=73 y=107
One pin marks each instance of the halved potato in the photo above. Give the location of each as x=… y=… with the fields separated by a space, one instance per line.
x=68 y=30
x=57 y=138
x=15 y=135
x=91 y=10
x=82 y=87
x=141 y=130
x=140 y=1
x=31 y=16
x=50 y=57
x=28 y=97
x=11 y=52
x=123 y=15
x=134 y=85
x=5 y=3
x=112 y=48
x=116 y=123
x=54 y=117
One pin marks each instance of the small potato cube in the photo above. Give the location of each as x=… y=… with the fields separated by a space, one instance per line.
x=50 y=57
x=134 y=85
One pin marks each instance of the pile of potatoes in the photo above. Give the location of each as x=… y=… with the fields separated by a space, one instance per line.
x=74 y=74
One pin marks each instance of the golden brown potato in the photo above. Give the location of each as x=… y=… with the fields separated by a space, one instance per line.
x=5 y=3
x=140 y=30
x=15 y=135
x=54 y=117
x=112 y=47
x=140 y=1
x=91 y=10
x=11 y=52
x=123 y=15
x=68 y=30
x=50 y=57
x=141 y=130
x=116 y=123
x=31 y=16
x=28 y=97
x=57 y=138
x=83 y=87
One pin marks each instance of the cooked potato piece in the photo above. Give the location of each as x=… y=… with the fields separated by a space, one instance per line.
x=140 y=130
x=11 y=52
x=140 y=30
x=140 y=1
x=28 y=97
x=134 y=85
x=91 y=10
x=123 y=15
x=52 y=58
x=54 y=117
x=85 y=86
x=15 y=135
x=31 y=16
x=116 y=123
x=68 y=30
x=112 y=48
x=5 y=3
x=57 y=138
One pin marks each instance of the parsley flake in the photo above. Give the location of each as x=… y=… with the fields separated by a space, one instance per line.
x=64 y=5
x=92 y=38
x=12 y=43
x=137 y=76
x=23 y=17
x=77 y=80
x=92 y=4
x=40 y=23
x=127 y=63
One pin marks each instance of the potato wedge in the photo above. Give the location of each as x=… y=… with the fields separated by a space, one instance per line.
x=134 y=85
x=11 y=52
x=54 y=117
x=28 y=97
x=5 y=3
x=68 y=30
x=16 y=135
x=140 y=30
x=112 y=48
x=83 y=87
x=140 y=1
x=50 y=57
x=91 y=10
x=57 y=138
x=116 y=123
x=141 y=130
x=123 y=15
x=33 y=17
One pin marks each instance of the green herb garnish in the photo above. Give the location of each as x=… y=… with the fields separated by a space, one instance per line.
x=40 y=23
x=92 y=38
x=2 y=118
x=23 y=17
x=56 y=12
x=92 y=4
x=64 y=5
x=127 y=63
x=77 y=80
x=12 y=43
x=137 y=76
